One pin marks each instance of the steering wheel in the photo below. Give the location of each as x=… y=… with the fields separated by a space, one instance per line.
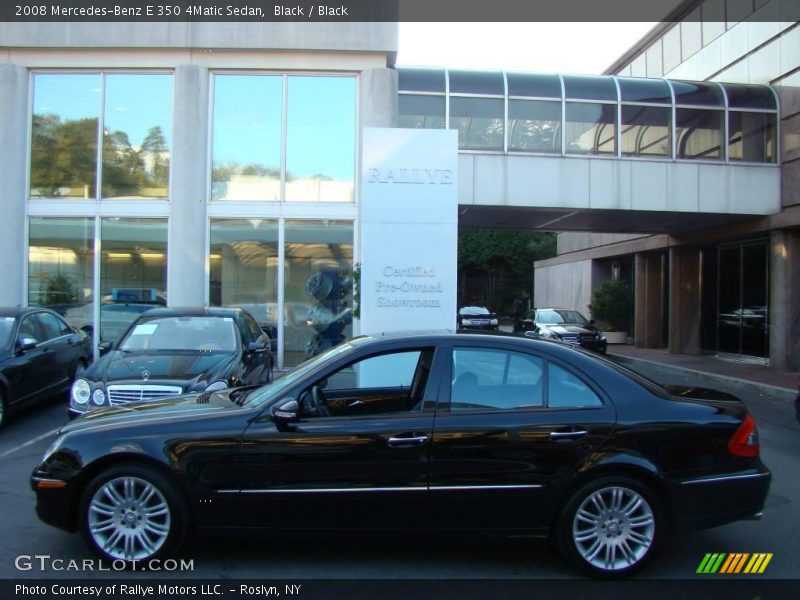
x=320 y=406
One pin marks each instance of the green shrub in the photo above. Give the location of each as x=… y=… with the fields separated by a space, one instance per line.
x=612 y=303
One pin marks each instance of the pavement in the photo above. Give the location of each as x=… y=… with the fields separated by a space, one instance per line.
x=726 y=374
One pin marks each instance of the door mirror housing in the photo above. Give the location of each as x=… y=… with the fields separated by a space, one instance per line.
x=286 y=412
x=528 y=325
x=26 y=343
x=104 y=347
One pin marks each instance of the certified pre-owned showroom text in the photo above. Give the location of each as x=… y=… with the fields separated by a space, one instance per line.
x=45 y=562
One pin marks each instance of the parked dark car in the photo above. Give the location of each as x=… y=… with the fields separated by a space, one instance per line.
x=529 y=437
x=173 y=351
x=564 y=325
x=40 y=355
x=477 y=317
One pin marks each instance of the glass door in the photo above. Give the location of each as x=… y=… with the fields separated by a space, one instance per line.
x=742 y=316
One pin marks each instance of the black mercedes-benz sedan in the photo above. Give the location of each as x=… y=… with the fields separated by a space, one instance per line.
x=173 y=351
x=40 y=355
x=477 y=317
x=563 y=325
x=456 y=433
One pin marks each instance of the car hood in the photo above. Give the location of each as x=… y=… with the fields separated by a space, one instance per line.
x=567 y=328
x=161 y=367
x=190 y=407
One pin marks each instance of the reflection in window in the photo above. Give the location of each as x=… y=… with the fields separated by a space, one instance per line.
x=247 y=137
x=133 y=271
x=318 y=287
x=671 y=46
x=244 y=268
x=698 y=133
x=137 y=132
x=64 y=135
x=479 y=122
x=320 y=144
x=421 y=112
x=565 y=390
x=495 y=379
x=534 y=126
x=591 y=128
x=645 y=131
x=751 y=137
x=61 y=266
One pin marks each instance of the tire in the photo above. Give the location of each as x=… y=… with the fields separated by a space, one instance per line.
x=610 y=527
x=132 y=514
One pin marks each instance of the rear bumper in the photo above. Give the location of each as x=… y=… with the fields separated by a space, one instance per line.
x=715 y=500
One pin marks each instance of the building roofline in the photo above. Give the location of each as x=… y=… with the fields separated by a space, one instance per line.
x=674 y=16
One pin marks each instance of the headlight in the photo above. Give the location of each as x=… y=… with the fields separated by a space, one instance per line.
x=544 y=332
x=216 y=386
x=493 y=322
x=466 y=321
x=99 y=397
x=80 y=391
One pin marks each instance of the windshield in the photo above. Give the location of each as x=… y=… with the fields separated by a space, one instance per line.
x=474 y=310
x=199 y=334
x=6 y=330
x=554 y=317
x=271 y=390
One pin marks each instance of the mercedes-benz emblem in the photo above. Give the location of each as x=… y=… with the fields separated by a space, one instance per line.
x=145 y=374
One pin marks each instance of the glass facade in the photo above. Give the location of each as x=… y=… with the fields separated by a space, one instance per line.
x=318 y=287
x=246 y=159
x=593 y=115
x=134 y=157
x=243 y=268
x=249 y=143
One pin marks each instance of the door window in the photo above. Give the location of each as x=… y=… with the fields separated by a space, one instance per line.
x=51 y=326
x=29 y=330
x=565 y=390
x=495 y=379
x=377 y=384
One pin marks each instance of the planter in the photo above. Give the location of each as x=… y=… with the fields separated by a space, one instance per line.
x=616 y=337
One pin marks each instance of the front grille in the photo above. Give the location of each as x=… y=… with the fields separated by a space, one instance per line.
x=123 y=394
x=571 y=338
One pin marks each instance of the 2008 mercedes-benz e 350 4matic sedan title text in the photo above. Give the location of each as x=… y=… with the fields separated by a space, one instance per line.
x=403 y=432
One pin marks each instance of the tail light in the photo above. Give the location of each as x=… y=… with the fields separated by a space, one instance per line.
x=744 y=442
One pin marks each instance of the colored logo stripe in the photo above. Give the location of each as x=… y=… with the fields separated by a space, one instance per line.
x=724 y=563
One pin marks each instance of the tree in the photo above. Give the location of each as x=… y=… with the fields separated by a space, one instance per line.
x=495 y=267
x=612 y=303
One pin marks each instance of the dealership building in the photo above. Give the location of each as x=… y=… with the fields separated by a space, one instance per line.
x=261 y=164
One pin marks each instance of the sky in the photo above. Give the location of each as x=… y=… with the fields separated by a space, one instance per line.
x=580 y=48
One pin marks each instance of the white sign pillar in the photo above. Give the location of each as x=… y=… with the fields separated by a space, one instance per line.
x=409 y=229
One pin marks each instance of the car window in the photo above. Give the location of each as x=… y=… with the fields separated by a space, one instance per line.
x=51 y=326
x=244 y=332
x=29 y=329
x=6 y=330
x=206 y=334
x=496 y=379
x=566 y=390
x=380 y=384
x=255 y=330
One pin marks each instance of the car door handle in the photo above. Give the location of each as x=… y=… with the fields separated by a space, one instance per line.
x=407 y=441
x=573 y=434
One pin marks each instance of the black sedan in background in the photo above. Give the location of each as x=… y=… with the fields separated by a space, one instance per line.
x=455 y=433
x=563 y=325
x=172 y=351
x=40 y=355
x=477 y=317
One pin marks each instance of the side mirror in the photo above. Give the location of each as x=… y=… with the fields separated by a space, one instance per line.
x=25 y=343
x=286 y=412
x=591 y=322
x=527 y=325
x=258 y=346
x=104 y=347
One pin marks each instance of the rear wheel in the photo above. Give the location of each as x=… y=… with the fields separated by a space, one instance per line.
x=132 y=513
x=610 y=526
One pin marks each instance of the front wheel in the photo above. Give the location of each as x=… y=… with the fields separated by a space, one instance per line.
x=609 y=527
x=132 y=513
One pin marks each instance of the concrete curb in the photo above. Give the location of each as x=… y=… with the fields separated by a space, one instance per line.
x=723 y=382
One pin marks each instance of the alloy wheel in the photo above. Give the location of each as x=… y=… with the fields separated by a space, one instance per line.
x=129 y=518
x=613 y=528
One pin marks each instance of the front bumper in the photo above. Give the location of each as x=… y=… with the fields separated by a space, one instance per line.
x=54 y=504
